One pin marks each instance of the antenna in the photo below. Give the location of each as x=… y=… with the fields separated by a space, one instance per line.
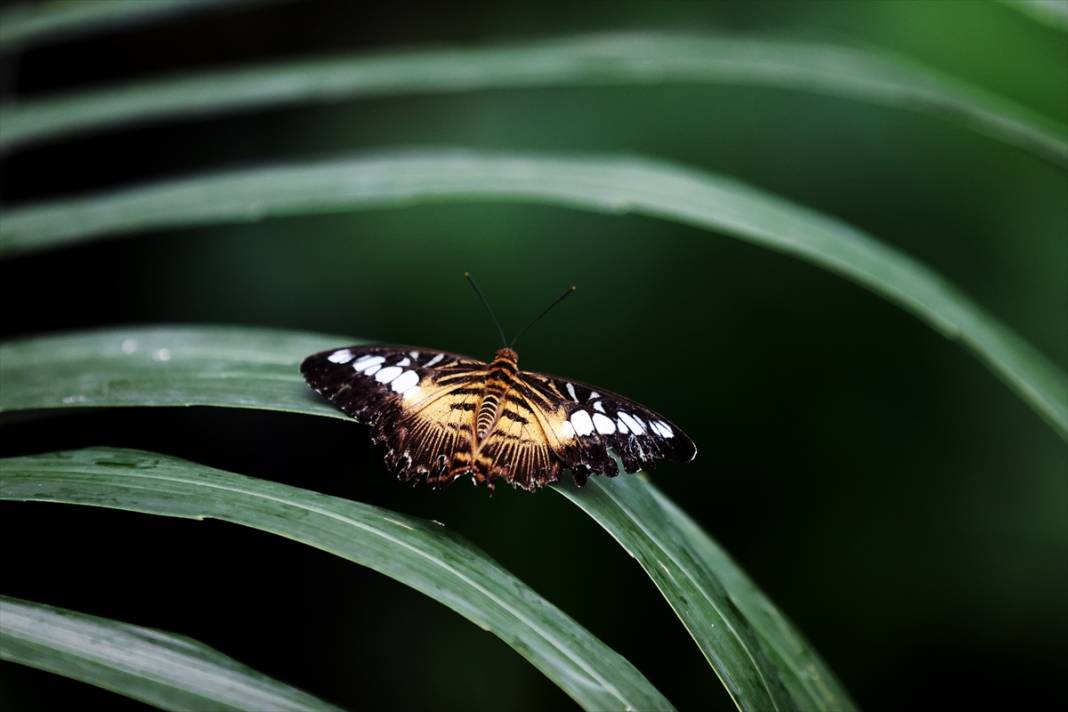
x=562 y=297
x=469 y=278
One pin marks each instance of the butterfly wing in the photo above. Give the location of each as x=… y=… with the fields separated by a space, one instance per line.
x=518 y=448
x=583 y=422
x=418 y=401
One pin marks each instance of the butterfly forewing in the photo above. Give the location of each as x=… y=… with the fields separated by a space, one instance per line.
x=586 y=421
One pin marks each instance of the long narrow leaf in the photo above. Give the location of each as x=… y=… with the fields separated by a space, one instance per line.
x=258 y=369
x=604 y=184
x=612 y=59
x=725 y=613
x=421 y=554
x=787 y=646
x=216 y=366
x=30 y=23
x=1053 y=13
x=168 y=671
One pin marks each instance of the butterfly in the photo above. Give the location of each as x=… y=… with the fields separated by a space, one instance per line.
x=444 y=416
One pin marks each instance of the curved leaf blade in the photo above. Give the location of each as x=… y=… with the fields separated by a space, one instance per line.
x=1053 y=13
x=728 y=617
x=602 y=184
x=168 y=671
x=607 y=59
x=32 y=23
x=725 y=637
x=216 y=366
x=418 y=553
x=809 y=677
x=93 y=369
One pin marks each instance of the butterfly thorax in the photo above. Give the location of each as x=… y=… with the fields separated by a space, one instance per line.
x=499 y=380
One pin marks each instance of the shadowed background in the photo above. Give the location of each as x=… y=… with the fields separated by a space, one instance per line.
x=895 y=499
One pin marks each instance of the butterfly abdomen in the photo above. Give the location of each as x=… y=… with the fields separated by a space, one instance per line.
x=499 y=380
x=487 y=413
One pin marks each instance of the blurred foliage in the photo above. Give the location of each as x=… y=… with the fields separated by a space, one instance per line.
x=904 y=508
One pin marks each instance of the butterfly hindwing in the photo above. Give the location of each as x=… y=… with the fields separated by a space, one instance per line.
x=585 y=422
x=430 y=442
x=518 y=449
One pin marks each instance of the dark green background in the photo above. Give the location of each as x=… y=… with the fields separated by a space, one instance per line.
x=895 y=499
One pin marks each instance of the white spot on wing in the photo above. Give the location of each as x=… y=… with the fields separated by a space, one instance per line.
x=642 y=424
x=598 y=406
x=622 y=426
x=372 y=370
x=367 y=362
x=580 y=419
x=571 y=392
x=434 y=360
x=594 y=394
x=603 y=423
x=663 y=429
x=632 y=424
x=413 y=354
x=404 y=363
x=342 y=356
x=405 y=381
x=413 y=394
x=388 y=374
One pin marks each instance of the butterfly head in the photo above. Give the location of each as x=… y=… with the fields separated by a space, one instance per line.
x=506 y=358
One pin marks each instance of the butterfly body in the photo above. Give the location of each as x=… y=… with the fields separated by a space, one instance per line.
x=444 y=416
x=502 y=372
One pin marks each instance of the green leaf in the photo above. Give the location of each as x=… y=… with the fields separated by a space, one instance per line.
x=123 y=367
x=805 y=674
x=1053 y=13
x=422 y=554
x=216 y=366
x=32 y=23
x=168 y=671
x=736 y=626
x=604 y=184
x=609 y=59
